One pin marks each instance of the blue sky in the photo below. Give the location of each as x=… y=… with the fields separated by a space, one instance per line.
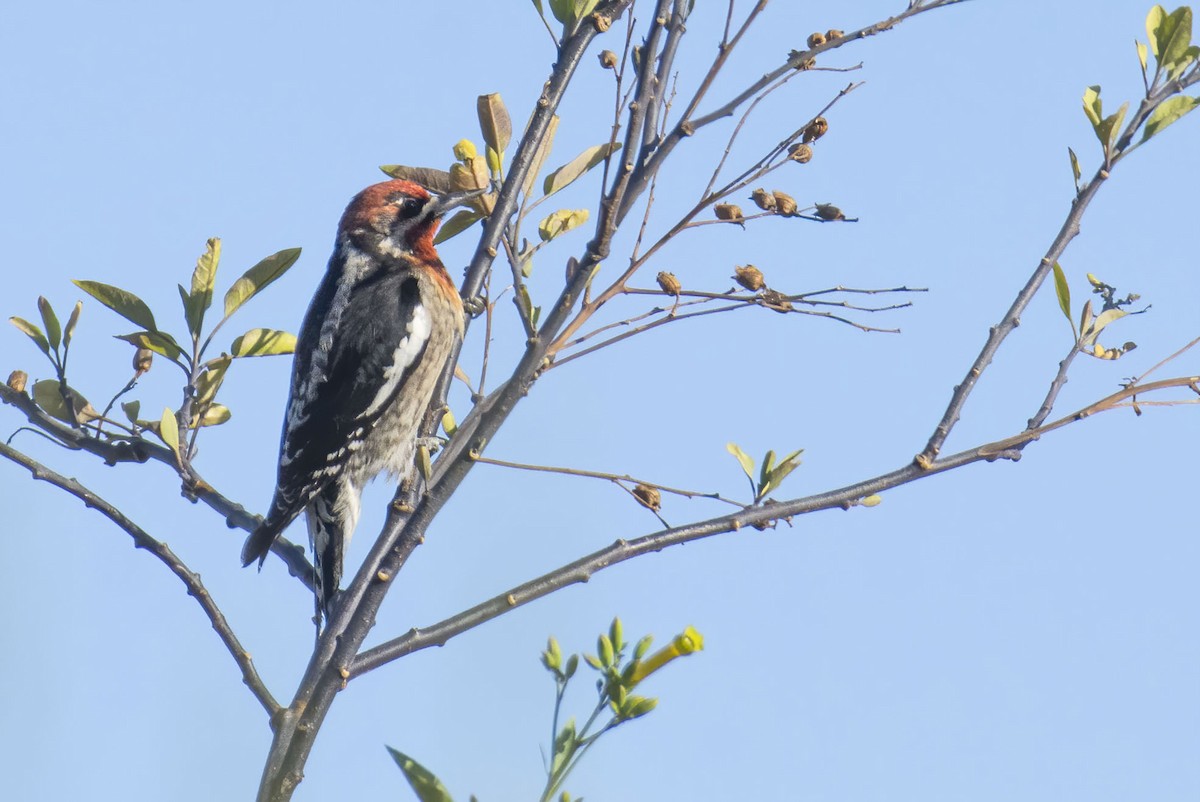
x=1007 y=631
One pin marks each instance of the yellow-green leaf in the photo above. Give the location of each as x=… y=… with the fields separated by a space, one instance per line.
x=1063 y=291
x=561 y=222
x=131 y=410
x=256 y=279
x=49 y=395
x=72 y=322
x=168 y=430
x=460 y=222
x=539 y=156
x=210 y=379
x=157 y=341
x=425 y=785
x=53 y=327
x=573 y=169
x=1170 y=34
x=214 y=415
x=743 y=459
x=494 y=122
x=197 y=302
x=1093 y=107
x=1141 y=51
x=448 y=424
x=123 y=302
x=263 y=342
x=1075 y=167
x=1168 y=112
x=33 y=332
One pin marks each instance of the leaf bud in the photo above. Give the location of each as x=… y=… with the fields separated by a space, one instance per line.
x=763 y=199
x=728 y=211
x=749 y=277
x=143 y=358
x=608 y=59
x=669 y=283
x=800 y=153
x=828 y=212
x=17 y=380
x=648 y=497
x=784 y=204
x=816 y=129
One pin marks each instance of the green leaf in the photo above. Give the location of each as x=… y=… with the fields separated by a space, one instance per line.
x=494 y=122
x=123 y=302
x=33 y=332
x=1170 y=35
x=49 y=395
x=573 y=169
x=157 y=341
x=263 y=342
x=788 y=464
x=132 y=409
x=1103 y=319
x=1168 y=112
x=1109 y=129
x=1178 y=67
x=563 y=11
x=1075 y=167
x=460 y=222
x=1141 y=51
x=539 y=156
x=1063 y=291
x=168 y=430
x=72 y=322
x=210 y=379
x=538 y=5
x=197 y=302
x=561 y=222
x=53 y=327
x=743 y=459
x=425 y=785
x=764 y=470
x=256 y=279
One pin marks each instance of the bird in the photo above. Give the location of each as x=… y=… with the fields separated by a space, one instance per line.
x=371 y=350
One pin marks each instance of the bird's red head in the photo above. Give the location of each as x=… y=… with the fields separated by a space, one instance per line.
x=395 y=215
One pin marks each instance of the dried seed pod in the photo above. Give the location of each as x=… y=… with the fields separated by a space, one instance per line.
x=17 y=380
x=763 y=199
x=785 y=204
x=648 y=497
x=832 y=34
x=749 y=277
x=815 y=39
x=828 y=212
x=773 y=299
x=816 y=129
x=143 y=358
x=669 y=283
x=799 y=152
x=608 y=59
x=728 y=211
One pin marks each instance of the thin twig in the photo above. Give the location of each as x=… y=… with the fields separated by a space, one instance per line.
x=189 y=578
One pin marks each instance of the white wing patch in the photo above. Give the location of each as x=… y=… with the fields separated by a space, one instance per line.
x=418 y=330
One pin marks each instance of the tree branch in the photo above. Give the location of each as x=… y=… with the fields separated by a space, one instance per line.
x=190 y=579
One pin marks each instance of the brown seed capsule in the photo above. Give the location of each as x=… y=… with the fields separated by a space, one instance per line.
x=832 y=34
x=669 y=283
x=728 y=211
x=797 y=61
x=816 y=129
x=763 y=199
x=749 y=277
x=815 y=39
x=143 y=358
x=827 y=211
x=608 y=59
x=799 y=152
x=648 y=497
x=785 y=204
x=773 y=299
x=17 y=380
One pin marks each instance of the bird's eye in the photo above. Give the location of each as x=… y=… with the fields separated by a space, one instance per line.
x=411 y=207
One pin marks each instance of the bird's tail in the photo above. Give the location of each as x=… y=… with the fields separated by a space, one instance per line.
x=258 y=545
x=325 y=532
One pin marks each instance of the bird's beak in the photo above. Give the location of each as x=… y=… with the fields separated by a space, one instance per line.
x=441 y=204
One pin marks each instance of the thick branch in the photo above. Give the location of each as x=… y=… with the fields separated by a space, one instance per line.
x=190 y=579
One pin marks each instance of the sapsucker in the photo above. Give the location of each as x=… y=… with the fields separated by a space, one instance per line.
x=372 y=347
